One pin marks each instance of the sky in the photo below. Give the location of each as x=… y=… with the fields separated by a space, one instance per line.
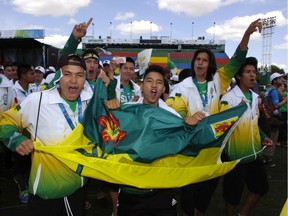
x=179 y=19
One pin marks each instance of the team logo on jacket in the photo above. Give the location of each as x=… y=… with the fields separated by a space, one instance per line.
x=221 y=127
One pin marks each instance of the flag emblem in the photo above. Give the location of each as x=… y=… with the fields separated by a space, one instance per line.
x=111 y=129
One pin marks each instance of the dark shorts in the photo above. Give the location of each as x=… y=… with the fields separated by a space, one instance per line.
x=252 y=174
x=197 y=196
x=154 y=203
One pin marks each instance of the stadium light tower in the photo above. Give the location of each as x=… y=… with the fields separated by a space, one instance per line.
x=150 y=29
x=268 y=25
x=192 y=30
x=131 y=31
x=214 y=31
x=171 y=31
x=110 y=29
x=92 y=30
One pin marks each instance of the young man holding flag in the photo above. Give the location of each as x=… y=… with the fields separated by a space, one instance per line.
x=50 y=116
x=133 y=201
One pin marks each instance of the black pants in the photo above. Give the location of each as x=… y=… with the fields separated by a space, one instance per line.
x=155 y=203
x=59 y=207
x=21 y=169
x=197 y=196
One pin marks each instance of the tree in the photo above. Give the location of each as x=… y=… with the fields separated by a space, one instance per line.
x=274 y=69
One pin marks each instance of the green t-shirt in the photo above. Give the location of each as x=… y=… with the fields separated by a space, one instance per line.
x=248 y=97
x=72 y=104
x=202 y=88
x=92 y=83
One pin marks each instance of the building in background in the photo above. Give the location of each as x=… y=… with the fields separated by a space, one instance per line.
x=178 y=51
x=20 y=46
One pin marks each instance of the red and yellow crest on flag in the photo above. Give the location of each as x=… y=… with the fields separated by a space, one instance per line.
x=219 y=128
x=111 y=129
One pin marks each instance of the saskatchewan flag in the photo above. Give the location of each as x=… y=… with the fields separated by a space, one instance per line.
x=145 y=146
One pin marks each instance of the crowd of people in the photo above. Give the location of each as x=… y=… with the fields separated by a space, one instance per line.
x=49 y=105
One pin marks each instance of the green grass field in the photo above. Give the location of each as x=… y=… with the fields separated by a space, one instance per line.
x=270 y=204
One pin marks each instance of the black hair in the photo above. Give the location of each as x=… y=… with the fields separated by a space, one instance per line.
x=248 y=61
x=184 y=74
x=128 y=59
x=23 y=69
x=155 y=68
x=212 y=67
x=7 y=64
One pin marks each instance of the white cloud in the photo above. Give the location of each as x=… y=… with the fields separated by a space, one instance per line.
x=124 y=16
x=72 y=21
x=52 y=7
x=234 y=28
x=55 y=40
x=283 y=45
x=193 y=8
x=138 y=27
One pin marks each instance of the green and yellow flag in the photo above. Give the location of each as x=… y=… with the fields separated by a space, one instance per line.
x=145 y=146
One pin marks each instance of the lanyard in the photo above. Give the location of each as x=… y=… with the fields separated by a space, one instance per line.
x=127 y=94
x=204 y=97
x=66 y=115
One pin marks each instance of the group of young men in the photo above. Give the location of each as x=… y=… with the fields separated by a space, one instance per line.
x=50 y=115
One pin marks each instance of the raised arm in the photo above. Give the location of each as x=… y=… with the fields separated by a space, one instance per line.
x=253 y=27
x=78 y=32
x=230 y=69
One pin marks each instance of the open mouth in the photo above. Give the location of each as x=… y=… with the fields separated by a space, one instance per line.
x=153 y=93
x=73 y=89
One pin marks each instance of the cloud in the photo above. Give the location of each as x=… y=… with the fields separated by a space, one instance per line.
x=234 y=28
x=194 y=8
x=72 y=21
x=124 y=16
x=138 y=27
x=55 y=40
x=52 y=7
x=283 y=45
